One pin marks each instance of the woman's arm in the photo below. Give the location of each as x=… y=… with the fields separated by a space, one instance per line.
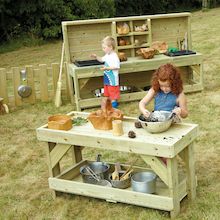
x=182 y=110
x=145 y=101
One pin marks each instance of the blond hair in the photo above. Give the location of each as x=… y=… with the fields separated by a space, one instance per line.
x=109 y=41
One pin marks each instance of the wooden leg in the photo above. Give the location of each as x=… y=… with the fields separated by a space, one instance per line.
x=172 y=168
x=53 y=171
x=76 y=154
x=190 y=171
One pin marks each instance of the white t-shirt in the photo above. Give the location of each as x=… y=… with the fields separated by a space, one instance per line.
x=111 y=76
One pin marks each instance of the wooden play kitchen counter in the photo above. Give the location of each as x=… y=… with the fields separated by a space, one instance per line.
x=171 y=188
x=83 y=37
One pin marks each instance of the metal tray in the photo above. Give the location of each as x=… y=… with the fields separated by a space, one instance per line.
x=83 y=63
x=180 y=53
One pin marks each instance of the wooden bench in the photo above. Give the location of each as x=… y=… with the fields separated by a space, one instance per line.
x=82 y=38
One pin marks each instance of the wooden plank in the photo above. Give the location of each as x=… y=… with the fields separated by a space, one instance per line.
x=92 y=102
x=55 y=75
x=44 y=83
x=173 y=183
x=160 y=145
x=107 y=20
x=158 y=167
x=190 y=171
x=72 y=171
x=16 y=84
x=53 y=171
x=30 y=82
x=3 y=85
x=57 y=154
x=68 y=60
x=77 y=153
x=109 y=193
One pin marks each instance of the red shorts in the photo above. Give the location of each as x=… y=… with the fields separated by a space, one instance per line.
x=113 y=92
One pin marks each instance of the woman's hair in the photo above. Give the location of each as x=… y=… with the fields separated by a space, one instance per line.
x=168 y=72
x=109 y=41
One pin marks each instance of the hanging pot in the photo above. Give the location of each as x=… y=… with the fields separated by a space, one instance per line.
x=24 y=91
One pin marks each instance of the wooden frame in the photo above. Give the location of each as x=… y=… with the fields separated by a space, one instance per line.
x=173 y=185
x=81 y=38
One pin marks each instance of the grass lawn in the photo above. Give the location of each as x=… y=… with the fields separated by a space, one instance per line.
x=24 y=192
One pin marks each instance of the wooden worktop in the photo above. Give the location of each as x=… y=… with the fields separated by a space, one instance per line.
x=166 y=144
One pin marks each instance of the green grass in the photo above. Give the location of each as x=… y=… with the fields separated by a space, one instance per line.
x=23 y=165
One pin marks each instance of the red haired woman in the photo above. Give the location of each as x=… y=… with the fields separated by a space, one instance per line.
x=167 y=91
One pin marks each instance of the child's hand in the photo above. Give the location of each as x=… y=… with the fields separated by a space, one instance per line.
x=93 y=55
x=177 y=111
x=104 y=68
x=146 y=113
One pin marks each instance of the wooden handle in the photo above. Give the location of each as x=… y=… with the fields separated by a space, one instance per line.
x=126 y=175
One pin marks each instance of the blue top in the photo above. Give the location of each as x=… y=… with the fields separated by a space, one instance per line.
x=165 y=101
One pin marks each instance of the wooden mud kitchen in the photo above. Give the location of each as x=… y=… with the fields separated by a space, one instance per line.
x=83 y=37
x=175 y=180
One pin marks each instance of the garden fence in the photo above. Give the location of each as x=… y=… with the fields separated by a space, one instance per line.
x=42 y=79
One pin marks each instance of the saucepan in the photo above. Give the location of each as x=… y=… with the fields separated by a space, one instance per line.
x=101 y=170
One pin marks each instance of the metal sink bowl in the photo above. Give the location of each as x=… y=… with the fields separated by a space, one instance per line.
x=159 y=121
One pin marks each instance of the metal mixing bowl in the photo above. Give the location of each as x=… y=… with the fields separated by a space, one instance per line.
x=164 y=121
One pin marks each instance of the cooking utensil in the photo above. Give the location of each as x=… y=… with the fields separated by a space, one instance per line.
x=100 y=182
x=101 y=169
x=121 y=184
x=157 y=126
x=124 y=177
x=115 y=174
x=144 y=182
x=58 y=100
x=24 y=90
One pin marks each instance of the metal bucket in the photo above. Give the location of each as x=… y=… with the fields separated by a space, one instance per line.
x=144 y=182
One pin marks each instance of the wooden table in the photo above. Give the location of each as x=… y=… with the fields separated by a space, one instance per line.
x=173 y=184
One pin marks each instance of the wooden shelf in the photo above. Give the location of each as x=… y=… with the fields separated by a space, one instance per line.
x=71 y=181
x=133 y=33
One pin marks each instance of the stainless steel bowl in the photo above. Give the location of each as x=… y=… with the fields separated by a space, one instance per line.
x=144 y=182
x=163 y=123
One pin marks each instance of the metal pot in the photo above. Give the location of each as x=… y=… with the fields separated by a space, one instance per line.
x=144 y=182
x=121 y=184
x=101 y=169
x=164 y=122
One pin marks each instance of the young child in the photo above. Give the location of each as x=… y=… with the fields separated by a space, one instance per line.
x=167 y=91
x=111 y=68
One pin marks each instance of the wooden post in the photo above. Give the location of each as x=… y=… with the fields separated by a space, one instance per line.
x=172 y=168
x=53 y=171
x=3 y=85
x=43 y=83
